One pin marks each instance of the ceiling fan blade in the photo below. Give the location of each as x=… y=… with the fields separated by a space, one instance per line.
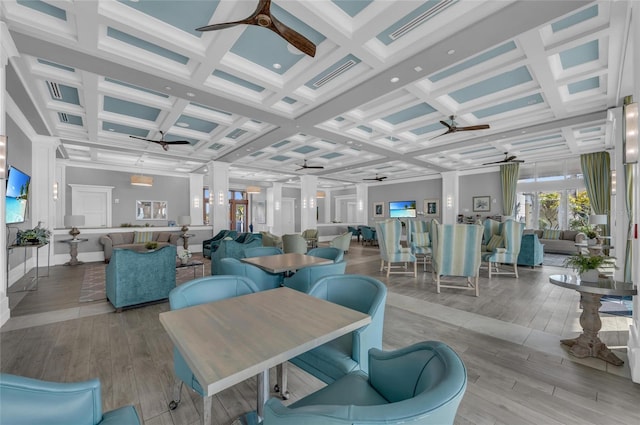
x=141 y=138
x=294 y=38
x=496 y=162
x=215 y=27
x=176 y=142
x=319 y=167
x=517 y=160
x=445 y=124
x=474 y=127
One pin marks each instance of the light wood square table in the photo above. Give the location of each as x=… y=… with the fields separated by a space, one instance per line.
x=289 y=262
x=229 y=341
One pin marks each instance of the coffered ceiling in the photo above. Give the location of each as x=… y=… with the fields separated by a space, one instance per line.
x=541 y=74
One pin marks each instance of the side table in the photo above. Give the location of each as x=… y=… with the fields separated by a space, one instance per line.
x=73 y=251
x=193 y=264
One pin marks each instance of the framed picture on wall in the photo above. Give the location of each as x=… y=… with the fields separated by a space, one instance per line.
x=481 y=203
x=151 y=210
x=378 y=209
x=431 y=207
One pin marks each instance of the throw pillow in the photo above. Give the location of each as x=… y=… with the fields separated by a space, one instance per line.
x=143 y=237
x=421 y=239
x=496 y=241
x=164 y=236
x=550 y=234
x=116 y=238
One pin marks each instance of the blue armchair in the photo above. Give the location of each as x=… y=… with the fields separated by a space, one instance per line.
x=368 y=235
x=261 y=251
x=507 y=250
x=389 y=233
x=231 y=249
x=196 y=292
x=531 y=251
x=27 y=401
x=206 y=245
x=262 y=278
x=210 y=246
x=420 y=384
x=419 y=240
x=134 y=277
x=304 y=278
x=329 y=253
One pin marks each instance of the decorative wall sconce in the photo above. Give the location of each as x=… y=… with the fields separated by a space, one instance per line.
x=312 y=203
x=196 y=202
x=277 y=205
x=304 y=203
x=220 y=198
x=55 y=191
x=360 y=205
x=613 y=182
x=3 y=157
x=449 y=202
x=630 y=111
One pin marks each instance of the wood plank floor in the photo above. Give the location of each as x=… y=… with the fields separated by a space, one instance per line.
x=508 y=338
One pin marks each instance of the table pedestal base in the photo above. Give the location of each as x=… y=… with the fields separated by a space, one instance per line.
x=588 y=344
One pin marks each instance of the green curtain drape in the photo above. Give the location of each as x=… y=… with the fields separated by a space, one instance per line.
x=509 y=177
x=596 y=168
x=628 y=199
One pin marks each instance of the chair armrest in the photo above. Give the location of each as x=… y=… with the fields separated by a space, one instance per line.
x=580 y=237
x=405 y=250
x=500 y=250
x=126 y=415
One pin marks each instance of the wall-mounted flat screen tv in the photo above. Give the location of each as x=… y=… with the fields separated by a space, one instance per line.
x=402 y=209
x=17 y=196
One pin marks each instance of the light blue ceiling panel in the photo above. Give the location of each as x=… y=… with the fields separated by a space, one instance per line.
x=475 y=151
x=392 y=139
x=172 y=138
x=413 y=20
x=43 y=7
x=331 y=155
x=523 y=102
x=70 y=119
x=256 y=153
x=305 y=149
x=56 y=65
x=281 y=143
x=590 y=130
x=576 y=18
x=197 y=124
x=150 y=47
x=339 y=119
x=210 y=108
x=236 y=133
x=578 y=55
x=64 y=93
x=332 y=72
x=239 y=81
x=131 y=86
x=488 y=55
x=279 y=158
x=492 y=85
x=427 y=129
x=124 y=107
x=557 y=145
x=186 y=15
x=537 y=139
x=588 y=84
x=289 y=100
x=365 y=128
x=216 y=146
x=292 y=22
x=410 y=113
x=352 y=7
x=124 y=129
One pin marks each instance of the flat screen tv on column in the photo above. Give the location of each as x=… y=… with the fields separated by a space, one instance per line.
x=17 y=196
x=402 y=209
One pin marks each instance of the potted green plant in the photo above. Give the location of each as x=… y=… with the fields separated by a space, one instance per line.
x=591 y=233
x=586 y=266
x=35 y=236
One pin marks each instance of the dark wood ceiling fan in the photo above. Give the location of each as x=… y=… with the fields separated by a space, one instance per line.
x=304 y=166
x=262 y=17
x=377 y=178
x=507 y=160
x=453 y=128
x=164 y=143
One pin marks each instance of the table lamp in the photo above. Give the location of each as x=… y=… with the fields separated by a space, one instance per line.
x=184 y=221
x=74 y=221
x=597 y=220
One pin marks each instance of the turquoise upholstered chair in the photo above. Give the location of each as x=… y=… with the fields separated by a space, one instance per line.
x=510 y=233
x=531 y=251
x=261 y=251
x=342 y=241
x=368 y=235
x=232 y=249
x=456 y=252
x=354 y=232
x=262 y=278
x=206 y=245
x=200 y=291
x=329 y=253
x=213 y=245
x=491 y=227
x=294 y=243
x=305 y=277
x=420 y=384
x=347 y=353
x=27 y=401
x=134 y=277
x=389 y=233
x=419 y=240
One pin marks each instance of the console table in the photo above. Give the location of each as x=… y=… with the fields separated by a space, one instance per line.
x=37 y=273
x=588 y=344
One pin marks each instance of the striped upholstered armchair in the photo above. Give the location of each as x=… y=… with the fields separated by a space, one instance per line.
x=389 y=232
x=419 y=240
x=456 y=253
x=504 y=247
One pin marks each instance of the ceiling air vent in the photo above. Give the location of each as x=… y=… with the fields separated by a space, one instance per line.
x=333 y=74
x=54 y=88
x=412 y=24
x=63 y=117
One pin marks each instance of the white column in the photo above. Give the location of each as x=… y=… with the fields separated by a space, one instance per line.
x=362 y=199
x=308 y=189
x=196 y=184
x=7 y=50
x=218 y=183
x=274 y=205
x=326 y=218
x=43 y=170
x=449 y=201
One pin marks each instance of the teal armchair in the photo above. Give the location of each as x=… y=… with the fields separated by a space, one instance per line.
x=419 y=240
x=232 y=249
x=134 y=277
x=389 y=233
x=304 y=278
x=28 y=401
x=420 y=384
x=510 y=238
x=456 y=252
x=206 y=244
x=261 y=251
x=329 y=253
x=262 y=278
x=531 y=251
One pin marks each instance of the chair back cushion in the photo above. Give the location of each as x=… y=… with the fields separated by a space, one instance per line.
x=491 y=227
x=208 y=289
x=261 y=251
x=294 y=243
x=421 y=238
x=416 y=226
x=329 y=253
x=304 y=278
x=496 y=241
x=456 y=249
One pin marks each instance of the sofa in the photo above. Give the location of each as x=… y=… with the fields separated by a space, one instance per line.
x=134 y=277
x=559 y=241
x=136 y=240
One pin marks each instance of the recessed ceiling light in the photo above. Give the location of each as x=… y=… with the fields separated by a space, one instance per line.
x=450 y=52
x=277 y=66
x=182 y=124
x=417 y=69
x=167 y=88
x=190 y=94
x=395 y=79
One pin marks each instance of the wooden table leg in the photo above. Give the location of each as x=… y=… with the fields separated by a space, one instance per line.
x=588 y=344
x=207 y=403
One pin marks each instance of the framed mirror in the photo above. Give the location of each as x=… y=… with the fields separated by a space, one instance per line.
x=151 y=210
